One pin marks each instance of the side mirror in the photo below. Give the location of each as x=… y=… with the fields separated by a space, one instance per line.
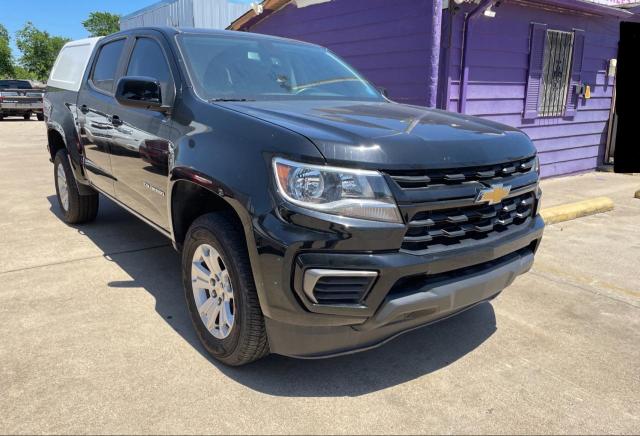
x=140 y=92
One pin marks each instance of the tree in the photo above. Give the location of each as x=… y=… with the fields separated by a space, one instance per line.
x=102 y=23
x=20 y=73
x=6 y=60
x=39 y=50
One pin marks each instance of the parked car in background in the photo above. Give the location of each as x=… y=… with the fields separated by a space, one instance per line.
x=18 y=98
x=315 y=217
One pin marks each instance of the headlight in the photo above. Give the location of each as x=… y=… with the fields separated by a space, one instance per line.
x=339 y=191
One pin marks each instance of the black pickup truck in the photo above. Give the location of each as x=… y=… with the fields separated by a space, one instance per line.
x=18 y=98
x=315 y=217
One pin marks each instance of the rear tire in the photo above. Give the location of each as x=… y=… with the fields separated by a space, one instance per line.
x=220 y=291
x=75 y=208
x=40 y=116
x=27 y=116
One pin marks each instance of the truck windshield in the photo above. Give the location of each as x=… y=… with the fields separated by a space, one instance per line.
x=237 y=68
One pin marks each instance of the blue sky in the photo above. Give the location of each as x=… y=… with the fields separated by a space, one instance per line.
x=63 y=17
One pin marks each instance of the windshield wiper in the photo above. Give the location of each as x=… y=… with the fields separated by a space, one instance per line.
x=230 y=99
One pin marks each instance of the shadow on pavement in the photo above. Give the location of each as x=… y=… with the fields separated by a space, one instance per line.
x=148 y=258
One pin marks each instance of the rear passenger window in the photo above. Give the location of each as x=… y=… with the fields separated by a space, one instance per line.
x=104 y=72
x=148 y=60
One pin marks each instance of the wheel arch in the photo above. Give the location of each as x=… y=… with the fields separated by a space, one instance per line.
x=55 y=142
x=188 y=187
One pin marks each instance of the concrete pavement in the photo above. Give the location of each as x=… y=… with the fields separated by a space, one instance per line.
x=95 y=338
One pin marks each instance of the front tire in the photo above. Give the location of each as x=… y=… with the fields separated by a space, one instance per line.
x=75 y=208
x=220 y=291
x=40 y=116
x=27 y=116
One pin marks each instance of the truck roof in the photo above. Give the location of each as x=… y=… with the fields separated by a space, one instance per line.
x=172 y=31
x=72 y=61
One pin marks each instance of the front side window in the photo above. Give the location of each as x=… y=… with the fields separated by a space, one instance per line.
x=240 y=68
x=555 y=74
x=104 y=72
x=148 y=60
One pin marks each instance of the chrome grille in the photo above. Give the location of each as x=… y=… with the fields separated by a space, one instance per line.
x=419 y=179
x=433 y=229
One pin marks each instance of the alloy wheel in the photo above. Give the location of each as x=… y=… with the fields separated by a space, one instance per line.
x=213 y=291
x=63 y=189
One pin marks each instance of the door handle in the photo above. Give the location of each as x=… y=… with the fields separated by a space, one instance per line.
x=84 y=109
x=116 y=121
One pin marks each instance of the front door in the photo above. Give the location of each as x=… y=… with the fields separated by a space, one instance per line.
x=95 y=103
x=627 y=148
x=142 y=138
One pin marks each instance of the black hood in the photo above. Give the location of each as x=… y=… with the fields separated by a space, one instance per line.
x=386 y=135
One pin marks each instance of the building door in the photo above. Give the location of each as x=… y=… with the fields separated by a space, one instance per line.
x=627 y=148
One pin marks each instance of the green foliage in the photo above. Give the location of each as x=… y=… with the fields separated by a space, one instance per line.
x=39 y=50
x=6 y=60
x=21 y=73
x=102 y=23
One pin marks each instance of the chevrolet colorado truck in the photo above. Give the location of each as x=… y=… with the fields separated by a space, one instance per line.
x=314 y=216
x=18 y=98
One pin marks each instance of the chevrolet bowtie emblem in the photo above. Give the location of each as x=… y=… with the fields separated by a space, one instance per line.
x=493 y=195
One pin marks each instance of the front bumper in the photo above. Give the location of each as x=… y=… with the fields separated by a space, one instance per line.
x=399 y=314
x=410 y=290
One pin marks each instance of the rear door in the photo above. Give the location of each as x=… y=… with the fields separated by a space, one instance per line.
x=627 y=148
x=95 y=104
x=142 y=138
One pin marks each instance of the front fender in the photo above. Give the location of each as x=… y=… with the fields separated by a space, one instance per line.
x=229 y=153
x=189 y=175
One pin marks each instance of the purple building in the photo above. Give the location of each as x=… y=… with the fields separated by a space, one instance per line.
x=546 y=66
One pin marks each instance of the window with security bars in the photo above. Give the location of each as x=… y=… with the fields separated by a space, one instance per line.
x=556 y=72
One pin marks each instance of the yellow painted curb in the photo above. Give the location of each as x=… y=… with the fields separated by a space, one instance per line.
x=571 y=211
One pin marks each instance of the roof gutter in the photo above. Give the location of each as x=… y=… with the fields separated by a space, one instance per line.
x=466 y=29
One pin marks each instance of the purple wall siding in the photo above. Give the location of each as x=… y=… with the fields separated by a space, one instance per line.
x=498 y=60
x=389 y=42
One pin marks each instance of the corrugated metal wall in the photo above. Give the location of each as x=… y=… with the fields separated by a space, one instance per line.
x=211 y=14
x=216 y=14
